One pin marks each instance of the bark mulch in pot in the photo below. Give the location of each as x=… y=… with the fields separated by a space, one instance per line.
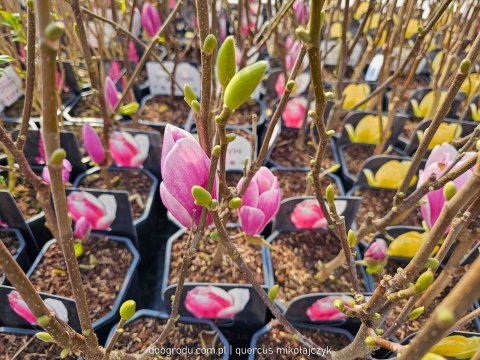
x=136 y=183
x=172 y=110
x=277 y=340
x=26 y=199
x=409 y=128
x=202 y=269
x=294 y=183
x=10 y=241
x=243 y=115
x=16 y=109
x=356 y=154
x=26 y=347
x=87 y=106
x=101 y=283
x=296 y=258
x=286 y=153
x=140 y=334
x=379 y=201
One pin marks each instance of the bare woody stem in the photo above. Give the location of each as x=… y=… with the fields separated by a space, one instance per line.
x=48 y=52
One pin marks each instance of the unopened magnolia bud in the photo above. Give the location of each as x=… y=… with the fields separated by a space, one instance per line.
x=290 y=85
x=226 y=64
x=352 y=238
x=445 y=316
x=130 y=108
x=64 y=353
x=202 y=196
x=432 y=263
x=214 y=235
x=379 y=332
x=127 y=310
x=43 y=336
x=303 y=34
x=86 y=332
x=420 y=29
x=43 y=320
x=235 y=203
x=330 y=133
x=329 y=95
x=424 y=281
x=273 y=292
x=231 y=137
x=465 y=65
x=376 y=316
x=477 y=145
x=189 y=94
x=370 y=341
x=78 y=248
x=58 y=156
x=217 y=149
x=243 y=84
x=210 y=43
x=339 y=304
x=330 y=193
x=312 y=114
x=449 y=190
x=195 y=105
x=30 y=4
x=54 y=30
x=416 y=313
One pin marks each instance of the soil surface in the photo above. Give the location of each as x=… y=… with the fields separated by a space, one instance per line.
x=136 y=183
x=16 y=109
x=356 y=154
x=286 y=153
x=25 y=347
x=166 y=109
x=294 y=183
x=277 y=339
x=139 y=335
x=296 y=258
x=102 y=283
x=10 y=241
x=202 y=269
x=87 y=106
x=25 y=197
x=409 y=128
x=243 y=115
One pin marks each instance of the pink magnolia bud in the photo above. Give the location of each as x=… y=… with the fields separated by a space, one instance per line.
x=150 y=19
x=215 y=303
x=184 y=164
x=377 y=251
x=115 y=71
x=260 y=203
x=82 y=228
x=300 y=11
x=132 y=52
x=66 y=170
x=100 y=212
x=323 y=309
x=308 y=215
x=128 y=150
x=93 y=144
x=111 y=95
x=294 y=112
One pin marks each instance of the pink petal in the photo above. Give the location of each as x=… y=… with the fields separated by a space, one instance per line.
x=93 y=144
x=251 y=220
x=269 y=203
x=111 y=94
x=240 y=300
x=250 y=198
x=19 y=306
x=175 y=208
x=171 y=136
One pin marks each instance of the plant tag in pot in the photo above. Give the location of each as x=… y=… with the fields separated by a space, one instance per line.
x=374 y=69
x=160 y=82
x=10 y=87
x=237 y=151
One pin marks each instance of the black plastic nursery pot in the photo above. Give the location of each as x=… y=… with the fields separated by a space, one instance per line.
x=15 y=242
x=188 y=350
x=127 y=289
x=281 y=351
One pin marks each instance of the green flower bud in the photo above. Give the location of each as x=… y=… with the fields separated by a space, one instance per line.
x=231 y=137
x=339 y=304
x=465 y=65
x=54 y=30
x=235 y=203
x=195 y=105
x=445 y=316
x=217 y=149
x=432 y=263
x=243 y=84
x=424 y=281
x=416 y=313
x=130 y=108
x=30 y=4
x=379 y=332
x=210 y=43
x=313 y=163
x=330 y=133
x=202 y=197
x=370 y=341
x=290 y=85
x=78 y=247
x=43 y=320
x=86 y=332
x=330 y=193
x=44 y=336
x=226 y=64
x=376 y=316
x=214 y=235
x=312 y=114
x=449 y=190
x=477 y=145
x=303 y=34
x=374 y=269
x=127 y=310
x=273 y=292
x=329 y=95
x=64 y=353
x=352 y=238
x=189 y=94
x=420 y=29
x=58 y=156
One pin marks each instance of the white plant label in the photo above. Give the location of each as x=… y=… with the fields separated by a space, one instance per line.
x=160 y=82
x=374 y=69
x=10 y=87
x=237 y=151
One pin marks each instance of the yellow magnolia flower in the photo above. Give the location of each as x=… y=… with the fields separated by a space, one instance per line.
x=447 y=132
x=336 y=30
x=438 y=60
x=468 y=86
x=361 y=10
x=354 y=93
x=390 y=175
x=407 y=244
x=423 y=109
x=457 y=346
x=412 y=28
x=432 y=356
x=367 y=130
x=475 y=112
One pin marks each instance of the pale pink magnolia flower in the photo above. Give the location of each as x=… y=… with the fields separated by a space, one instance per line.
x=212 y=302
x=260 y=203
x=128 y=150
x=294 y=112
x=82 y=228
x=308 y=215
x=184 y=164
x=323 y=309
x=111 y=94
x=440 y=159
x=93 y=144
x=19 y=306
x=66 y=170
x=150 y=19
x=100 y=212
